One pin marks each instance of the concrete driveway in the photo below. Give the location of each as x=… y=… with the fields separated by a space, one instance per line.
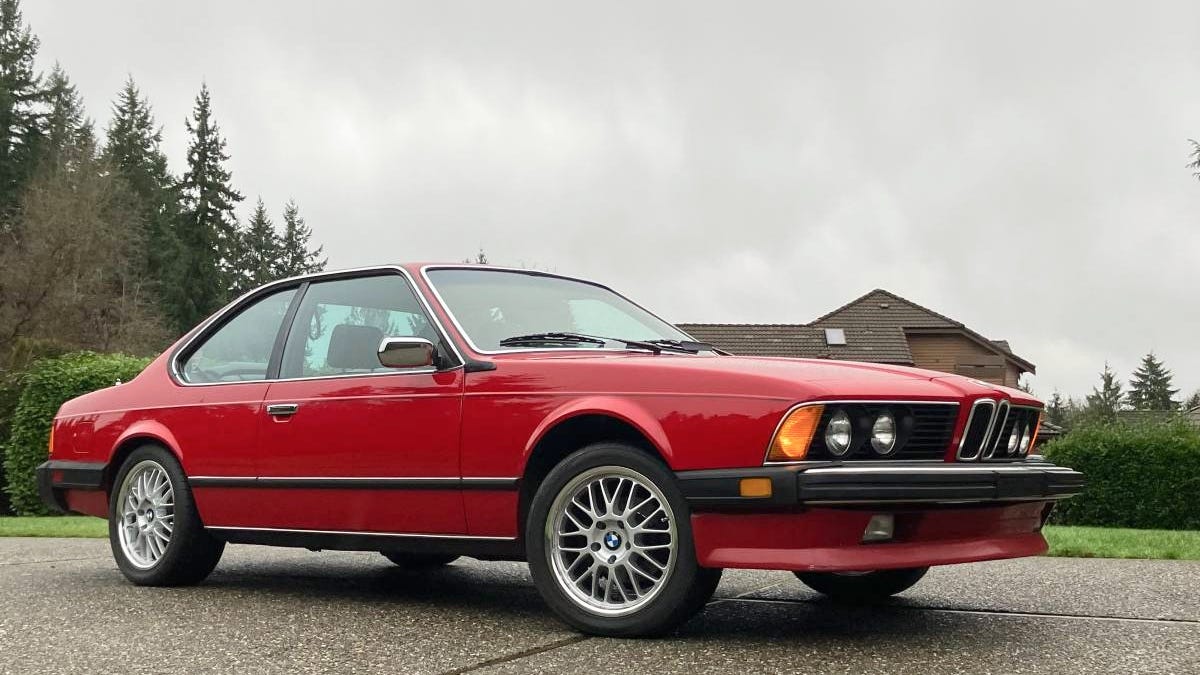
x=65 y=608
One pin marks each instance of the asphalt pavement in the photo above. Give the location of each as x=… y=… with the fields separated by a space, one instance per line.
x=64 y=608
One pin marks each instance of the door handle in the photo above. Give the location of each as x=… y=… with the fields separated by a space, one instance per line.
x=282 y=409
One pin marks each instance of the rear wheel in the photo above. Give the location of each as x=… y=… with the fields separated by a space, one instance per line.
x=609 y=544
x=862 y=586
x=154 y=529
x=418 y=561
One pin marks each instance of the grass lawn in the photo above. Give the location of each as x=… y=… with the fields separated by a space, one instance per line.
x=52 y=526
x=1111 y=542
x=1070 y=542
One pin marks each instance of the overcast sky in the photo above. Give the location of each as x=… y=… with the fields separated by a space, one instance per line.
x=1016 y=166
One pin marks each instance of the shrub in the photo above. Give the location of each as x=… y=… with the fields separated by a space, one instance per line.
x=44 y=388
x=21 y=353
x=1143 y=476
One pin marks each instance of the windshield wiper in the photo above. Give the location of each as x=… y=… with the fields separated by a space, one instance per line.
x=550 y=338
x=541 y=339
x=690 y=346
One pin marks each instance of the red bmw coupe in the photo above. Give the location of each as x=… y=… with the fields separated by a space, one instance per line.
x=432 y=411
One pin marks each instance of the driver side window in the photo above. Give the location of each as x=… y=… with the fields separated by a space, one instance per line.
x=240 y=350
x=340 y=324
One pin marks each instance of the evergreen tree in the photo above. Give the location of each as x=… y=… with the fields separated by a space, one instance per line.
x=1108 y=398
x=260 y=251
x=133 y=149
x=207 y=226
x=21 y=101
x=1195 y=156
x=1056 y=409
x=1150 y=386
x=479 y=258
x=66 y=125
x=1193 y=401
x=295 y=257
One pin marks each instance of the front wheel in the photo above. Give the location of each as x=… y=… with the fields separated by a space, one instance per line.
x=609 y=544
x=862 y=586
x=154 y=528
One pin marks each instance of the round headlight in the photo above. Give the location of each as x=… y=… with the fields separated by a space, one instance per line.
x=838 y=433
x=1025 y=438
x=1013 y=439
x=883 y=434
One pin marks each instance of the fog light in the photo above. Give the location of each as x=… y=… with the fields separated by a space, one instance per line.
x=755 y=487
x=880 y=527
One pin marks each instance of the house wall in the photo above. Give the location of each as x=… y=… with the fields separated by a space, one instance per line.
x=952 y=353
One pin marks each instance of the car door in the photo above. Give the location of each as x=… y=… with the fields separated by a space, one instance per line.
x=214 y=417
x=347 y=444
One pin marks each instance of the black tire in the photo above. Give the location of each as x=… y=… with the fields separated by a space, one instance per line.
x=418 y=561
x=862 y=587
x=687 y=587
x=190 y=554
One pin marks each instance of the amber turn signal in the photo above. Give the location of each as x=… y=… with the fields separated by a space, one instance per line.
x=755 y=487
x=795 y=434
x=1037 y=426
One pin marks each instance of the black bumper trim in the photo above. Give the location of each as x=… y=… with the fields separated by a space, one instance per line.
x=849 y=484
x=71 y=475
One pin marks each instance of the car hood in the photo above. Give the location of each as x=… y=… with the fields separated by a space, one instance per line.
x=796 y=378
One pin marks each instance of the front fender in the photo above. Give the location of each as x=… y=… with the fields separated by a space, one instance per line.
x=616 y=407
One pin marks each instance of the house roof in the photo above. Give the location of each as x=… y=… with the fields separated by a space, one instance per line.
x=876 y=325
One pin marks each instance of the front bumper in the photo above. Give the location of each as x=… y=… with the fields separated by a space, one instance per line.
x=817 y=515
x=831 y=484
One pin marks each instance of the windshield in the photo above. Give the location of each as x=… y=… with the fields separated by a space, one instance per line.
x=492 y=305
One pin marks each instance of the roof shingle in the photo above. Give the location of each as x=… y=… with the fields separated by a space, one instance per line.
x=874 y=323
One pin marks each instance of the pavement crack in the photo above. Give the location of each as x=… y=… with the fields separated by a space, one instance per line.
x=516 y=656
x=979 y=612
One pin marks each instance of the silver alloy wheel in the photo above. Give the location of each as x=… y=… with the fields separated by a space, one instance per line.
x=146 y=509
x=611 y=540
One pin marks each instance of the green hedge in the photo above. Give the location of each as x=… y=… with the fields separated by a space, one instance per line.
x=1140 y=476
x=44 y=388
x=22 y=352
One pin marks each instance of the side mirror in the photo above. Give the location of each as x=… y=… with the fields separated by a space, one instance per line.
x=406 y=352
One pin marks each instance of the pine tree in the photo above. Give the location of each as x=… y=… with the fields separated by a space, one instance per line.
x=21 y=99
x=1056 y=409
x=1106 y=401
x=1150 y=386
x=207 y=226
x=66 y=125
x=295 y=257
x=1195 y=156
x=133 y=149
x=260 y=251
x=1193 y=401
x=479 y=258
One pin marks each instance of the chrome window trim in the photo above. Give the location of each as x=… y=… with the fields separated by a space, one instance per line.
x=425 y=269
x=176 y=373
x=860 y=401
x=962 y=442
x=404 y=535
